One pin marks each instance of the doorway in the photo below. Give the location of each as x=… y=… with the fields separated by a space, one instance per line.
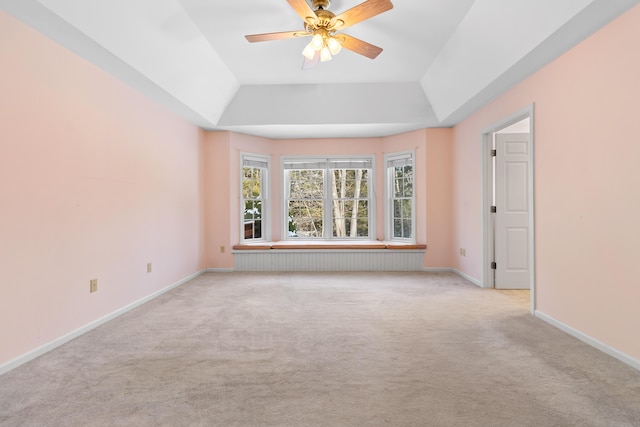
x=508 y=214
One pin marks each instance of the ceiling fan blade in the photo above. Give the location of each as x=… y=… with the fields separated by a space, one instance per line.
x=308 y=64
x=276 y=36
x=359 y=13
x=303 y=9
x=358 y=46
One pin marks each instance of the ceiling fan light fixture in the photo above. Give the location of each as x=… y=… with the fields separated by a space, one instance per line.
x=321 y=24
x=317 y=41
x=334 y=46
x=325 y=54
x=309 y=52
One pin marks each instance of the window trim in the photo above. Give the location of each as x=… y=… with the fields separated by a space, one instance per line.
x=263 y=162
x=324 y=162
x=388 y=196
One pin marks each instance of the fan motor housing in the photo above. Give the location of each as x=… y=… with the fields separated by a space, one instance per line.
x=317 y=4
x=324 y=19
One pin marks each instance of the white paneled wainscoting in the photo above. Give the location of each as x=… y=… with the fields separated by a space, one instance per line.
x=329 y=260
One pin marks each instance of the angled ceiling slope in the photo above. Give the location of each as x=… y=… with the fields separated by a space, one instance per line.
x=442 y=59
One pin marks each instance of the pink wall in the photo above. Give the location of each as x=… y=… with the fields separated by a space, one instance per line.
x=95 y=181
x=586 y=184
x=433 y=199
x=439 y=198
x=217 y=199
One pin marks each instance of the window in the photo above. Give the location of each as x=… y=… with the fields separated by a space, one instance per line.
x=400 y=197
x=328 y=198
x=254 y=197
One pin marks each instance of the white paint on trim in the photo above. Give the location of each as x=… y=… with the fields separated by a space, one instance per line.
x=624 y=358
x=20 y=360
x=469 y=278
x=453 y=270
x=437 y=269
x=220 y=270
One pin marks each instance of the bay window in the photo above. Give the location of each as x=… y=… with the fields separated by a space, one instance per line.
x=328 y=198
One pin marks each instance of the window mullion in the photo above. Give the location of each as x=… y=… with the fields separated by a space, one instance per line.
x=328 y=203
x=287 y=199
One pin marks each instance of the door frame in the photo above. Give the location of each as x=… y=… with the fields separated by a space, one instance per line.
x=487 y=182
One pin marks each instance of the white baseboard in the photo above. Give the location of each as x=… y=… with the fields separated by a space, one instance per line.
x=455 y=271
x=469 y=278
x=437 y=269
x=14 y=363
x=220 y=270
x=624 y=358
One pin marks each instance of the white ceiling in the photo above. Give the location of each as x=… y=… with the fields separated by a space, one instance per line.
x=442 y=59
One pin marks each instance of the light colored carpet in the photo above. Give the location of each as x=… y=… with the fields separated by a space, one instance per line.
x=309 y=349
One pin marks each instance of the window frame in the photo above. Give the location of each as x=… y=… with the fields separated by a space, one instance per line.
x=389 y=198
x=264 y=163
x=326 y=162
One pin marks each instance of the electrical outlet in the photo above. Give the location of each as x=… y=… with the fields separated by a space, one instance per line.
x=93 y=285
x=463 y=252
x=221 y=249
x=149 y=267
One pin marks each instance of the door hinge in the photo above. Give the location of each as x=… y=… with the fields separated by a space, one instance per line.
x=494 y=153
x=493 y=266
x=494 y=209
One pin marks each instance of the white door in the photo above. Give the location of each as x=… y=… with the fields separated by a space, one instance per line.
x=513 y=211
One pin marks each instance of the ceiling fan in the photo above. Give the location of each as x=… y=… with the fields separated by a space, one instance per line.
x=323 y=24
